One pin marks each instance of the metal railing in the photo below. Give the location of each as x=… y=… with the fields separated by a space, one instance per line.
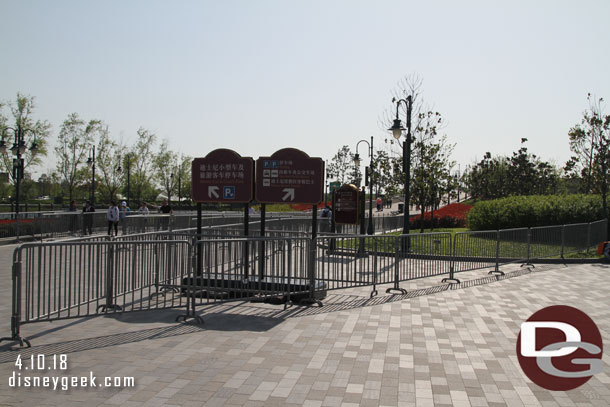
x=173 y=269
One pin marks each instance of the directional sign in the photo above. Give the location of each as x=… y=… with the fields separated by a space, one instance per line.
x=289 y=176
x=334 y=185
x=347 y=205
x=223 y=176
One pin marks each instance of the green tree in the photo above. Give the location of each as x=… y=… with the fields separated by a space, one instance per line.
x=107 y=163
x=21 y=120
x=73 y=146
x=142 y=169
x=48 y=185
x=432 y=165
x=184 y=175
x=166 y=164
x=342 y=167
x=590 y=142
x=521 y=174
x=382 y=174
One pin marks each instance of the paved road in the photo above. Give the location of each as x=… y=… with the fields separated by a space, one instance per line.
x=432 y=346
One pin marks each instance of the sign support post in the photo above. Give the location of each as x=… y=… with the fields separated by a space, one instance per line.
x=198 y=248
x=261 y=247
x=246 y=256
x=333 y=224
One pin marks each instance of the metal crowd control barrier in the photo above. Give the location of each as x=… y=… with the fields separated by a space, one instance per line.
x=347 y=261
x=54 y=281
x=173 y=269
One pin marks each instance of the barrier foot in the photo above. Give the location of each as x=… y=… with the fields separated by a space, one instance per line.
x=185 y=317
x=528 y=265
x=397 y=289
x=496 y=272
x=111 y=307
x=310 y=301
x=167 y=288
x=450 y=280
x=373 y=293
x=158 y=293
x=19 y=339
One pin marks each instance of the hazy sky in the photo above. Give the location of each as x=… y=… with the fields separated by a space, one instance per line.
x=257 y=76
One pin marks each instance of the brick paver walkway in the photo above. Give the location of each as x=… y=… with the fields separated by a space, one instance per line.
x=434 y=346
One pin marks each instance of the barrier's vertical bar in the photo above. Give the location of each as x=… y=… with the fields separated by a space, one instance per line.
x=246 y=248
x=199 y=264
x=333 y=226
x=497 y=269
x=563 y=239
x=375 y=259
x=529 y=242
x=261 y=247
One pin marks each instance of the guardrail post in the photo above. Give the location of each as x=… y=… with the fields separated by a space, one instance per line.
x=311 y=272
x=452 y=279
x=396 y=261
x=110 y=305
x=191 y=292
x=261 y=247
x=563 y=239
x=497 y=267
x=529 y=241
x=374 y=292
x=16 y=307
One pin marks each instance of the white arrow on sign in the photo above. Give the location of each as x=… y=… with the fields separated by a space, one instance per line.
x=212 y=192
x=289 y=194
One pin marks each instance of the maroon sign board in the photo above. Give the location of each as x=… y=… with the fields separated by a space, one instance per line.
x=289 y=176
x=222 y=176
x=347 y=205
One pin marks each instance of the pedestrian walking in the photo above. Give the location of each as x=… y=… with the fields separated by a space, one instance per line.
x=88 y=210
x=165 y=209
x=123 y=213
x=113 y=218
x=142 y=210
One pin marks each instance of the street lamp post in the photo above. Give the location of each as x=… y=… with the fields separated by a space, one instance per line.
x=397 y=130
x=326 y=183
x=169 y=190
x=368 y=181
x=91 y=162
x=18 y=149
x=128 y=174
x=179 y=188
x=120 y=169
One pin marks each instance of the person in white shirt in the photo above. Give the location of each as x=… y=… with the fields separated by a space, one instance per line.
x=113 y=218
x=143 y=210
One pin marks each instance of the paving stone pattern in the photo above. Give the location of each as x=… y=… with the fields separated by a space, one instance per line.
x=435 y=346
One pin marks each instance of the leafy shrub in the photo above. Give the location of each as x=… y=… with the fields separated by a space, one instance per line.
x=534 y=210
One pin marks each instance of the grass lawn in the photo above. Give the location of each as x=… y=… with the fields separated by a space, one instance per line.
x=482 y=244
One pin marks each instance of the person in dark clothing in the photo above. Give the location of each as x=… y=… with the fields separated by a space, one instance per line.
x=88 y=210
x=165 y=209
